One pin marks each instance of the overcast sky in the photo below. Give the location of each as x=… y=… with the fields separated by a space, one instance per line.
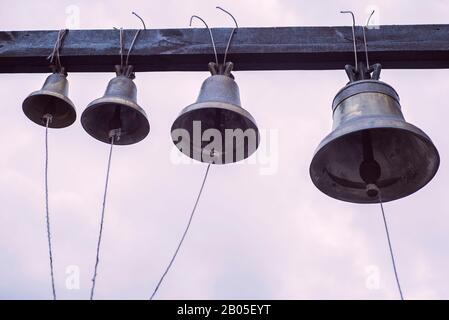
x=262 y=229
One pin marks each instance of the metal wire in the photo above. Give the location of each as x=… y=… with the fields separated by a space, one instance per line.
x=135 y=36
x=364 y=38
x=391 y=249
x=232 y=33
x=57 y=46
x=102 y=221
x=50 y=251
x=183 y=236
x=140 y=18
x=121 y=48
x=210 y=34
x=353 y=36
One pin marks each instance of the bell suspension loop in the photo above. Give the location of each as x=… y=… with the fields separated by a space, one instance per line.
x=363 y=72
x=221 y=69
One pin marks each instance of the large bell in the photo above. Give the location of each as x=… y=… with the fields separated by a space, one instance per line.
x=117 y=112
x=51 y=100
x=216 y=129
x=371 y=148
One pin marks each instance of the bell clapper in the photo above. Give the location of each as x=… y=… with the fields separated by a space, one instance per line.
x=47 y=119
x=115 y=134
x=369 y=169
x=372 y=190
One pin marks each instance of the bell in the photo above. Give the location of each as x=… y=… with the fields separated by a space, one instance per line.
x=372 y=151
x=51 y=100
x=117 y=112
x=216 y=129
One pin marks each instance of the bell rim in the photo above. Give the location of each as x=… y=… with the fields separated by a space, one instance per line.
x=53 y=124
x=108 y=100
x=405 y=126
x=217 y=105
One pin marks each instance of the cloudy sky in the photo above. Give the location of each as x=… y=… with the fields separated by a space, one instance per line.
x=262 y=229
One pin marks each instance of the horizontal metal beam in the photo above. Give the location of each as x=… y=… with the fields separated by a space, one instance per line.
x=285 y=48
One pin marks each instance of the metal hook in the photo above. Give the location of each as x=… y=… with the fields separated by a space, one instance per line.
x=210 y=34
x=353 y=37
x=132 y=43
x=135 y=36
x=143 y=22
x=232 y=32
x=364 y=38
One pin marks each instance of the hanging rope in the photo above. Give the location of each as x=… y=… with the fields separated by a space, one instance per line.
x=391 y=249
x=47 y=119
x=102 y=221
x=183 y=236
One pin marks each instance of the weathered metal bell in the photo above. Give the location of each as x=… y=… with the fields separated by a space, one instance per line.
x=117 y=112
x=371 y=148
x=216 y=129
x=52 y=100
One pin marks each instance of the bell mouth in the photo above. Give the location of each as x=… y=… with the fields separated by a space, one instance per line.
x=407 y=158
x=215 y=132
x=106 y=114
x=43 y=102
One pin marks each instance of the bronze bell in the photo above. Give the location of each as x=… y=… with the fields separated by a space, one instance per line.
x=217 y=110
x=371 y=148
x=51 y=100
x=117 y=112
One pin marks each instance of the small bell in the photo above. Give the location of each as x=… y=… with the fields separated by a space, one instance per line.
x=117 y=112
x=216 y=129
x=51 y=100
x=372 y=151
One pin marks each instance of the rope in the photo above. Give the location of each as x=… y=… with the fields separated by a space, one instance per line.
x=50 y=251
x=391 y=249
x=102 y=221
x=183 y=236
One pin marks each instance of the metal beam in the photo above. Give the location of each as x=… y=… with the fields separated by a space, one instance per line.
x=285 y=48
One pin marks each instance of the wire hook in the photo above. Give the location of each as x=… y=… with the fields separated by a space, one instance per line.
x=132 y=43
x=140 y=18
x=364 y=38
x=353 y=36
x=210 y=34
x=232 y=32
x=135 y=36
